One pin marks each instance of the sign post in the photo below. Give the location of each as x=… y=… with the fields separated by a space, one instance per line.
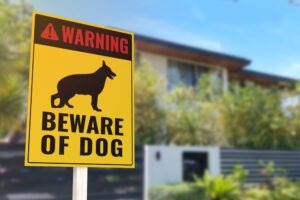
x=80 y=183
x=80 y=101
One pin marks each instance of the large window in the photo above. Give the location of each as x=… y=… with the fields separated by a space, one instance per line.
x=183 y=73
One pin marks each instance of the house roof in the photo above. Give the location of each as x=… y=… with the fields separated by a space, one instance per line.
x=261 y=78
x=234 y=64
x=172 y=49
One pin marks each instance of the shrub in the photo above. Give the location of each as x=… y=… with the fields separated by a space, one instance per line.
x=270 y=172
x=176 y=192
x=257 y=194
x=284 y=190
x=228 y=187
x=220 y=187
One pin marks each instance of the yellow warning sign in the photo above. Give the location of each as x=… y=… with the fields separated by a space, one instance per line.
x=80 y=102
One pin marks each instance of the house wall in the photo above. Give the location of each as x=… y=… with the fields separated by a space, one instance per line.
x=160 y=64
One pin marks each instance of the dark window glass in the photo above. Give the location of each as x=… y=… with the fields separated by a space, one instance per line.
x=183 y=73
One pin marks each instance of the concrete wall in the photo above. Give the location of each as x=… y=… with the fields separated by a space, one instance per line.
x=169 y=168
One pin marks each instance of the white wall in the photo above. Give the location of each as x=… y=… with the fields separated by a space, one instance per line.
x=169 y=169
x=158 y=62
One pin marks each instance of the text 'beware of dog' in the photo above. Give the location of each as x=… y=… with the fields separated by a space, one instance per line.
x=82 y=124
x=80 y=108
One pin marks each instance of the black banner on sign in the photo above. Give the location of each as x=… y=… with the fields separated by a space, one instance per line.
x=80 y=37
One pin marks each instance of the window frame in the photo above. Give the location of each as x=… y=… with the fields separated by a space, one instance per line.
x=195 y=71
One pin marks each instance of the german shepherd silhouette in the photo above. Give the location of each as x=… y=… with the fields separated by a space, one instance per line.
x=84 y=84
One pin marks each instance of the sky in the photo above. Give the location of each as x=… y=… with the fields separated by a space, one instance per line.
x=267 y=32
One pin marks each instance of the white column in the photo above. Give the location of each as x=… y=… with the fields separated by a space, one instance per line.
x=225 y=79
x=215 y=161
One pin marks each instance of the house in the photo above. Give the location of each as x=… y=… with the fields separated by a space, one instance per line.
x=180 y=63
x=184 y=64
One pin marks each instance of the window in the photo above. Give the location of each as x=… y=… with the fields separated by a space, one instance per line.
x=183 y=73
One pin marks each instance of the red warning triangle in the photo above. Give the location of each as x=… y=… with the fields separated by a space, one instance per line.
x=49 y=33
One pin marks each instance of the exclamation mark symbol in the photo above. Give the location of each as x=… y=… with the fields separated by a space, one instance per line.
x=49 y=36
x=49 y=33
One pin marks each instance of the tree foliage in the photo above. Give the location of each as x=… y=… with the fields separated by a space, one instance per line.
x=192 y=117
x=248 y=116
x=15 y=27
x=149 y=114
x=254 y=118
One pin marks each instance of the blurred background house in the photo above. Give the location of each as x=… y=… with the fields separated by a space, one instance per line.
x=180 y=63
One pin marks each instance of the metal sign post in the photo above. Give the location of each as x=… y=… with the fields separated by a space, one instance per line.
x=80 y=183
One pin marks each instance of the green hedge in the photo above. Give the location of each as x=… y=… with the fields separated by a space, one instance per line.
x=284 y=190
x=182 y=191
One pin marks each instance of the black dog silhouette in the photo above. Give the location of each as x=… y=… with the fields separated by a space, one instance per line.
x=86 y=84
